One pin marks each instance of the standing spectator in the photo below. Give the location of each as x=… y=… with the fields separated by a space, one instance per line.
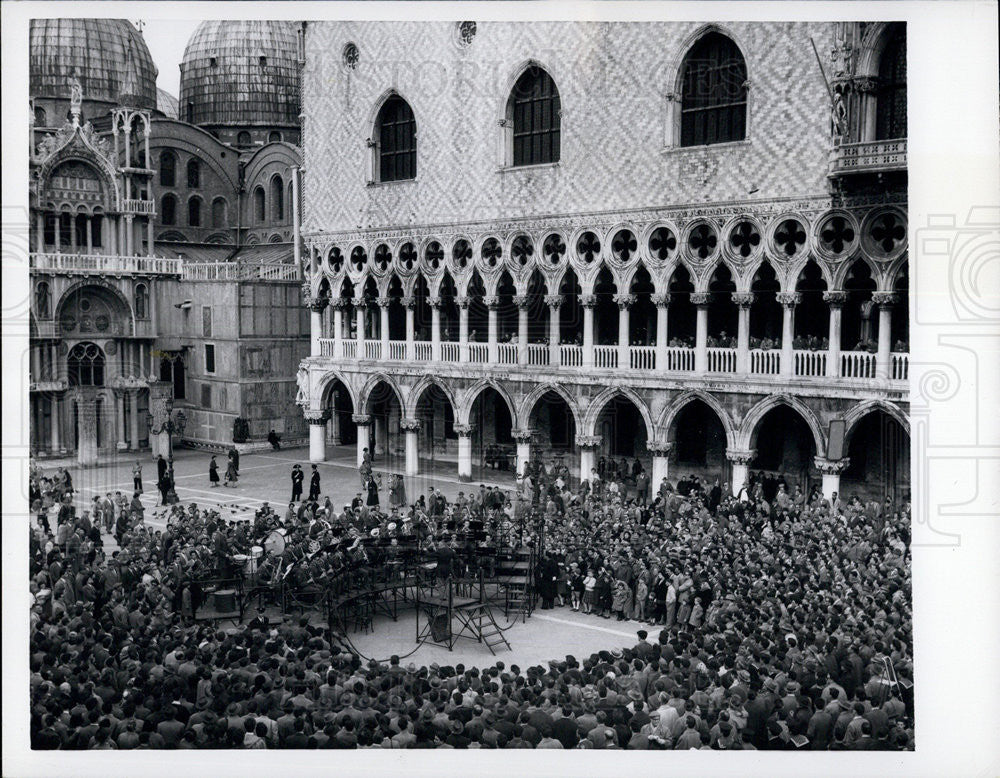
x=137 y=477
x=213 y=472
x=298 y=477
x=314 y=484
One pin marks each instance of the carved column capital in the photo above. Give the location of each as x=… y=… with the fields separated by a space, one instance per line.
x=410 y=425
x=463 y=302
x=492 y=302
x=463 y=430
x=699 y=298
x=384 y=302
x=835 y=299
x=884 y=299
x=361 y=419
x=408 y=301
x=660 y=300
x=318 y=304
x=659 y=448
x=553 y=300
x=521 y=436
x=623 y=301
x=788 y=299
x=360 y=302
x=589 y=441
x=743 y=299
x=317 y=417
x=521 y=300
x=831 y=466
x=435 y=301
x=866 y=85
x=740 y=456
x=588 y=300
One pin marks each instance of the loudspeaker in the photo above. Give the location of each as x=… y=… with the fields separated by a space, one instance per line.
x=835 y=447
x=440 y=628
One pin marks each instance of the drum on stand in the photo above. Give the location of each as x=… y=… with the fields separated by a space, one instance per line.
x=256 y=552
x=224 y=600
x=274 y=543
x=240 y=562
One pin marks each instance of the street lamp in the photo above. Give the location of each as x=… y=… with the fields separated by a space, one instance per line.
x=170 y=425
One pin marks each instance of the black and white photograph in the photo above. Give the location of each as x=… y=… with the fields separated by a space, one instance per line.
x=557 y=378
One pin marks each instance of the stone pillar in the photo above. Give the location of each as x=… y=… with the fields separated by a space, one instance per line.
x=492 y=303
x=55 y=436
x=836 y=302
x=408 y=302
x=86 y=403
x=120 y=419
x=740 y=460
x=661 y=301
x=40 y=232
x=884 y=301
x=411 y=428
x=464 y=432
x=588 y=453
x=523 y=456
x=553 y=301
x=381 y=435
x=383 y=324
x=149 y=236
x=589 y=302
x=338 y=321
x=363 y=420
x=435 y=303
x=359 y=322
x=161 y=394
x=317 y=433
x=700 y=299
x=521 y=301
x=316 y=307
x=463 y=328
x=129 y=236
x=661 y=463
x=133 y=418
x=788 y=302
x=90 y=236
x=744 y=300
x=831 y=470
x=623 y=301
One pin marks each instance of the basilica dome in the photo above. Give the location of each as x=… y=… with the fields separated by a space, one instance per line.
x=241 y=74
x=108 y=56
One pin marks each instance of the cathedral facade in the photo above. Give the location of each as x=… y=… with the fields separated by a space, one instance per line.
x=674 y=242
x=163 y=264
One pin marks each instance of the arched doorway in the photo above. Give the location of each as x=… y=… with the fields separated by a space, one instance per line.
x=623 y=433
x=879 y=450
x=699 y=443
x=385 y=443
x=554 y=431
x=785 y=449
x=493 y=446
x=341 y=429
x=437 y=439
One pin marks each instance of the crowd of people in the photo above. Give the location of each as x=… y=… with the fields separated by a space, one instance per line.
x=778 y=621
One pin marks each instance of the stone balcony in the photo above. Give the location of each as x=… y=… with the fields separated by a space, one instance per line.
x=844 y=368
x=879 y=156
x=102 y=264
x=139 y=207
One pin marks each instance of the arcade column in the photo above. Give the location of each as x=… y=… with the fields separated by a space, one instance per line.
x=464 y=432
x=740 y=460
x=411 y=429
x=86 y=403
x=661 y=462
x=588 y=453
x=700 y=299
x=523 y=440
x=363 y=420
x=831 y=470
x=317 y=434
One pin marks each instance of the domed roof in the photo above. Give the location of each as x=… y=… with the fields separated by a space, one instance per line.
x=167 y=103
x=109 y=57
x=241 y=73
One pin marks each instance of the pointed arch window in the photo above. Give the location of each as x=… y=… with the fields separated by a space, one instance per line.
x=534 y=113
x=396 y=130
x=85 y=365
x=890 y=118
x=714 y=92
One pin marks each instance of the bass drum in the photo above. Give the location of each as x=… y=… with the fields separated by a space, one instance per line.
x=274 y=543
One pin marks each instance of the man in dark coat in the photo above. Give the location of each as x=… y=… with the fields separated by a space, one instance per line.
x=297 y=478
x=314 y=484
x=161 y=468
x=372 y=493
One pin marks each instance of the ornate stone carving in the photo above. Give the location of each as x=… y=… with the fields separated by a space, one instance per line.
x=831 y=466
x=360 y=302
x=866 y=85
x=410 y=425
x=521 y=300
x=435 y=301
x=699 y=298
x=588 y=300
x=302 y=393
x=660 y=299
x=317 y=304
x=384 y=302
x=408 y=301
x=463 y=302
x=788 y=299
x=553 y=300
x=361 y=419
x=883 y=299
x=521 y=436
x=743 y=299
x=317 y=417
x=659 y=448
x=740 y=456
x=463 y=430
x=589 y=441
x=835 y=299
x=491 y=301
x=623 y=301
